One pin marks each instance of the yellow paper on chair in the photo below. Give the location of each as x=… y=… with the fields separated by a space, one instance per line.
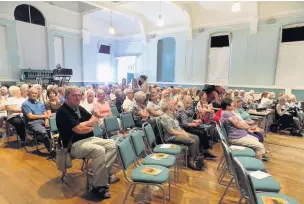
x=164 y=146
x=151 y=171
x=159 y=156
x=271 y=200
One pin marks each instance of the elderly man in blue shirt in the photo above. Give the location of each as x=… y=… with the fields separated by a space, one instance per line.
x=36 y=117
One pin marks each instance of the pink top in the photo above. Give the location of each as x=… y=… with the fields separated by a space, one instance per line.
x=103 y=109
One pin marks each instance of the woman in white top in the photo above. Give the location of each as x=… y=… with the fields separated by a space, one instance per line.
x=129 y=101
x=14 y=112
x=153 y=107
x=134 y=85
x=265 y=101
x=283 y=113
x=89 y=100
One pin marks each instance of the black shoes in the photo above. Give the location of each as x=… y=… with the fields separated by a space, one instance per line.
x=102 y=192
x=209 y=156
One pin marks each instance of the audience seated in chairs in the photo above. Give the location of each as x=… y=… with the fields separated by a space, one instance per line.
x=140 y=112
x=174 y=134
x=283 y=116
x=237 y=131
x=36 y=117
x=185 y=117
x=88 y=102
x=119 y=100
x=244 y=116
x=75 y=126
x=14 y=112
x=129 y=101
x=153 y=108
x=102 y=108
x=54 y=102
x=265 y=101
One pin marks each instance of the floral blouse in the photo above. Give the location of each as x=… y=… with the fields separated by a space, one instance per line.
x=169 y=123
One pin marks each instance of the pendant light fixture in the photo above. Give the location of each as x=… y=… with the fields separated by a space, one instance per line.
x=236 y=7
x=160 y=21
x=111 y=28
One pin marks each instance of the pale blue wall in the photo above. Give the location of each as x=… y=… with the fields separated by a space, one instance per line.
x=166 y=49
x=72 y=51
x=90 y=58
x=12 y=46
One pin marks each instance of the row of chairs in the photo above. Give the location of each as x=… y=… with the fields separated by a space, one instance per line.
x=241 y=163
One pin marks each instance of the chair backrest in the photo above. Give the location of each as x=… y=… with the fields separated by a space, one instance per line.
x=126 y=153
x=127 y=120
x=228 y=157
x=138 y=142
x=149 y=134
x=52 y=124
x=160 y=129
x=111 y=123
x=114 y=111
x=244 y=182
x=97 y=131
x=220 y=132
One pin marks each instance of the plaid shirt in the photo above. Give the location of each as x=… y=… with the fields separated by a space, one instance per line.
x=184 y=116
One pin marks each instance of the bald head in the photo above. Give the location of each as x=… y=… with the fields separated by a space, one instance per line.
x=187 y=102
x=33 y=93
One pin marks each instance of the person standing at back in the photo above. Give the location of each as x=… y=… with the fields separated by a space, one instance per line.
x=75 y=126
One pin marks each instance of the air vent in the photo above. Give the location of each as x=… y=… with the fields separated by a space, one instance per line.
x=271 y=21
x=201 y=30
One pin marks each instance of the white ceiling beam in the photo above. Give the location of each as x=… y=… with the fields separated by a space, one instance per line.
x=143 y=23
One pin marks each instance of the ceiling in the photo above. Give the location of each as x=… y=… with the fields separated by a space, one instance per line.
x=139 y=17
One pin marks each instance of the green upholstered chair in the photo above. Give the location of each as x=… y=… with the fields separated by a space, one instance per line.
x=114 y=111
x=111 y=125
x=139 y=148
x=128 y=156
x=248 y=188
x=267 y=184
x=127 y=122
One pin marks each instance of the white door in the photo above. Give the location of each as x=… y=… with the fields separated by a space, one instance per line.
x=59 y=52
x=4 y=68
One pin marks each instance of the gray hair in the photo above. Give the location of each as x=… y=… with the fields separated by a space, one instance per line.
x=37 y=86
x=24 y=87
x=139 y=96
x=164 y=106
x=271 y=95
x=127 y=91
x=49 y=87
x=90 y=91
x=13 y=89
x=70 y=89
x=100 y=91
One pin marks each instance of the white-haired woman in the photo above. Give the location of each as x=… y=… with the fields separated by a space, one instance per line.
x=24 y=90
x=102 y=108
x=153 y=107
x=139 y=110
x=88 y=102
x=174 y=134
x=129 y=101
x=14 y=112
x=285 y=116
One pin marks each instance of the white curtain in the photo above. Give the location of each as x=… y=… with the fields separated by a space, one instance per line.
x=218 y=68
x=32 y=45
x=290 y=67
x=4 y=68
x=58 y=47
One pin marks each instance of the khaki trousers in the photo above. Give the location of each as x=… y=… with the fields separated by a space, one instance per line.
x=103 y=154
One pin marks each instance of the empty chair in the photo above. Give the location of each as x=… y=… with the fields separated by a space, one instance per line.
x=111 y=125
x=127 y=156
x=127 y=122
x=114 y=111
x=139 y=148
x=248 y=190
x=97 y=131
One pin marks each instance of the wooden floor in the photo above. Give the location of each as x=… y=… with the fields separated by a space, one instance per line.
x=29 y=178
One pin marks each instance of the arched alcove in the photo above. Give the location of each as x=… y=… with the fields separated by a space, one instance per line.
x=166 y=49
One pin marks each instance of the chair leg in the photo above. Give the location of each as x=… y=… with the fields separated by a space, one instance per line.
x=241 y=199
x=169 y=196
x=133 y=189
x=221 y=161
x=164 y=193
x=226 y=190
x=127 y=193
x=223 y=175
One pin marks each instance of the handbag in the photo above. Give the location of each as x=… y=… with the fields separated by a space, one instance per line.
x=63 y=157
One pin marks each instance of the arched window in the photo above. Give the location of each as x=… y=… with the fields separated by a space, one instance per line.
x=29 y=14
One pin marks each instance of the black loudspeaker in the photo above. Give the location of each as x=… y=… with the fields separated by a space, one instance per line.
x=63 y=71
